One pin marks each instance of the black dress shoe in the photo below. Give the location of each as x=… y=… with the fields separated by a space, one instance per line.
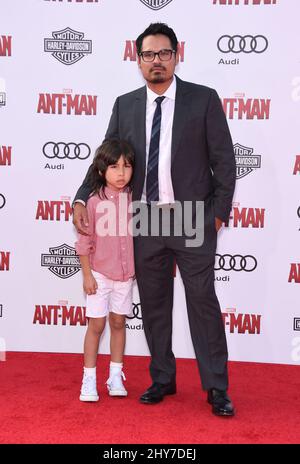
x=220 y=401
x=156 y=392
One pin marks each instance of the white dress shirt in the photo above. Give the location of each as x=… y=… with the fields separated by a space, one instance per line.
x=166 y=193
x=165 y=187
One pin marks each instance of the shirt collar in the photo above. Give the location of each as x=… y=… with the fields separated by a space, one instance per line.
x=169 y=93
x=114 y=193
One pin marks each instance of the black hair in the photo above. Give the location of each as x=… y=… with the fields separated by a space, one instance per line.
x=108 y=154
x=157 y=28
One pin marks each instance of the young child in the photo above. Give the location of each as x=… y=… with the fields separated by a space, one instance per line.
x=107 y=264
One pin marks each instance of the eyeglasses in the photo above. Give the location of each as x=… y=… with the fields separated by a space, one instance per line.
x=163 y=55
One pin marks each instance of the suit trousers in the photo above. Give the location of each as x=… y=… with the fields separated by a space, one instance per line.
x=154 y=265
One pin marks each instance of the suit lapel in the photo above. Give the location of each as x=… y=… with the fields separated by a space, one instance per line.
x=140 y=125
x=139 y=122
x=180 y=116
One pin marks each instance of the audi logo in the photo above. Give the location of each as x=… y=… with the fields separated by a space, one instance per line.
x=298 y=212
x=69 y=150
x=136 y=311
x=235 y=263
x=2 y=201
x=239 y=44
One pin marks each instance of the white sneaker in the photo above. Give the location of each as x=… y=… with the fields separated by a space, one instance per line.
x=88 y=389
x=114 y=383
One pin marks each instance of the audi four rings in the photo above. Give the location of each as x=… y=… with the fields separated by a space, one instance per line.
x=136 y=308
x=2 y=201
x=245 y=44
x=235 y=263
x=69 y=150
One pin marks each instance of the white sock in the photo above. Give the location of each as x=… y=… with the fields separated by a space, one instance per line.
x=115 y=366
x=89 y=371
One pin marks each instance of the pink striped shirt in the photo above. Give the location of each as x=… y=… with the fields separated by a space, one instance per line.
x=112 y=254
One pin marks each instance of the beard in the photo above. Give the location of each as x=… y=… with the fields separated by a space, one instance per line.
x=157 y=78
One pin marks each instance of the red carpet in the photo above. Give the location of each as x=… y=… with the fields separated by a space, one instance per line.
x=39 y=404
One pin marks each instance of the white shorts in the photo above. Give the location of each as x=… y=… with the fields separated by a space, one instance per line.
x=111 y=295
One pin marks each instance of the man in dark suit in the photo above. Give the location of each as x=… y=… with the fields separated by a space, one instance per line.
x=183 y=152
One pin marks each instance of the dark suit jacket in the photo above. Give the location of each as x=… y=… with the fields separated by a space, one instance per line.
x=203 y=161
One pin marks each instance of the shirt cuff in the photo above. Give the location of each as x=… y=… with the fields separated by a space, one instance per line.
x=79 y=201
x=83 y=249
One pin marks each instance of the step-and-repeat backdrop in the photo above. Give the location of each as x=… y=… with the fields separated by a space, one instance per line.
x=62 y=64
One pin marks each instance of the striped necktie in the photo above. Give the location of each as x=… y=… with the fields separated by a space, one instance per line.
x=152 y=193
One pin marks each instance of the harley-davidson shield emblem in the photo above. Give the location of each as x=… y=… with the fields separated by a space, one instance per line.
x=62 y=261
x=156 y=4
x=68 y=46
x=245 y=161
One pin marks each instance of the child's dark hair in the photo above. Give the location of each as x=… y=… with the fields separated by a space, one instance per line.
x=106 y=155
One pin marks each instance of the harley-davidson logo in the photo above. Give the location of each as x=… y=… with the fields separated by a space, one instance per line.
x=245 y=161
x=62 y=261
x=68 y=46
x=156 y=4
